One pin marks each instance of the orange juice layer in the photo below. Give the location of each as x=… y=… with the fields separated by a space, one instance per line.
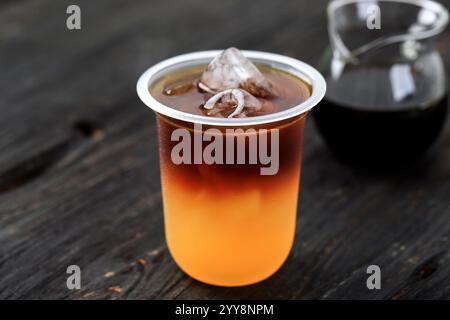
x=230 y=238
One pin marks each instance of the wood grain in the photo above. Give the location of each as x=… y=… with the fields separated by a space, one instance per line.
x=79 y=176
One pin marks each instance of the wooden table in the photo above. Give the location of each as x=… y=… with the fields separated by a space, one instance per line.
x=79 y=176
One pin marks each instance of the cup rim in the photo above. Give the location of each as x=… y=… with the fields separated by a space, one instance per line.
x=298 y=68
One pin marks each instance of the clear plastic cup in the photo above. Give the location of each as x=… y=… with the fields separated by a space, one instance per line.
x=228 y=224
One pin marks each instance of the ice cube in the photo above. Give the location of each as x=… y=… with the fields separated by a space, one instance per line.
x=232 y=98
x=232 y=70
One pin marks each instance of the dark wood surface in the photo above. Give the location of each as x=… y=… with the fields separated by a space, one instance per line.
x=79 y=176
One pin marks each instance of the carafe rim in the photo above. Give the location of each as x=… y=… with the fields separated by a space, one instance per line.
x=351 y=55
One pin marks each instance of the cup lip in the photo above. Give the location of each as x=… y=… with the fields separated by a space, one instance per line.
x=298 y=68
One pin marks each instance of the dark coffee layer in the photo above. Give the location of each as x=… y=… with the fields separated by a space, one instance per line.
x=233 y=175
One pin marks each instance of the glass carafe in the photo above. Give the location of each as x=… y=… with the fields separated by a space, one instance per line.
x=387 y=94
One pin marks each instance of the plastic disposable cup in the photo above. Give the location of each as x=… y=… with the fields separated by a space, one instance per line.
x=227 y=223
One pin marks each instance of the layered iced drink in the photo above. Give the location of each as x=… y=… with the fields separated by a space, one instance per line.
x=230 y=142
